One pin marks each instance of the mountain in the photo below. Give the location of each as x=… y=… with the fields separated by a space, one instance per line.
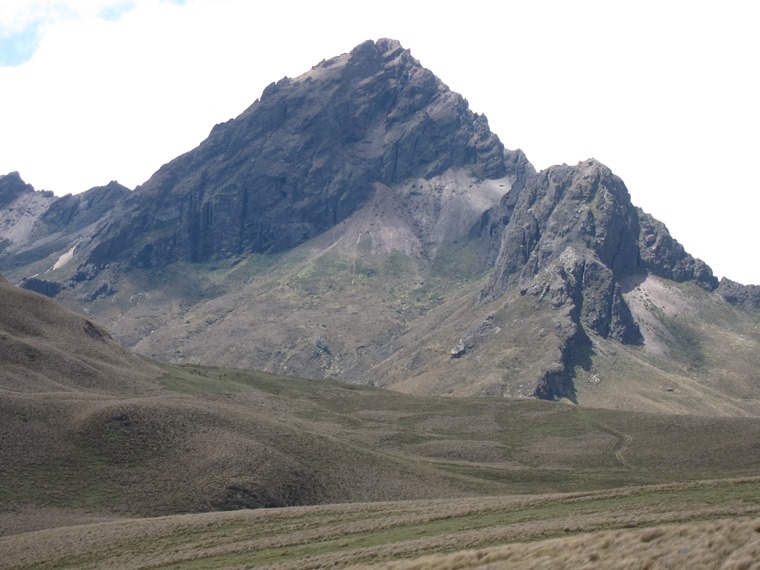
x=301 y=159
x=360 y=223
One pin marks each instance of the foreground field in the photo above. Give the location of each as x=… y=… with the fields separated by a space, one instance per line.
x=715 y=523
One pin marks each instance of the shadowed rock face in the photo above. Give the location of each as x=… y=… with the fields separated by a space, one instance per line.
x=746 y=296
x=665 y=257
x=74 y=212
x=572 y=236
x=304 y=157
x=11 y=187
x=35 y=224
x=585 y=207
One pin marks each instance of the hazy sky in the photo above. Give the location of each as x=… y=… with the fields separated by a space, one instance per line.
x=664 y=93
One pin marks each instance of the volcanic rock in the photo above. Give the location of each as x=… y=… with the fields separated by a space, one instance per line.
x=747 y=296
x=40 y=232
x=303 y=158
x=11 y=187
x=572 y=236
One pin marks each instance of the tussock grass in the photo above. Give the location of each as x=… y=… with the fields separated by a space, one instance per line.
x=619 y=525
x=726 y=544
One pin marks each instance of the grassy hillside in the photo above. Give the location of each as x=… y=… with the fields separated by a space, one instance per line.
x=391 y=320
x=699 y=524
x=392 y=479
x=47 y=348
x=214 y=439
x=96 y=440
x=701 y=355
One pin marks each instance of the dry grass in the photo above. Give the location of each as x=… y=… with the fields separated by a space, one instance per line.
x=623 y=525
x=46 y=348
x=391 y=320
x=208 y=439
x=724 y=544
x=107 y=447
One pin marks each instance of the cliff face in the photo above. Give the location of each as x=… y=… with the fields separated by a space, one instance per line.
x=572 y=236
x=12 y=187
x=303 y=158
x=37 y=224
x=745 y=296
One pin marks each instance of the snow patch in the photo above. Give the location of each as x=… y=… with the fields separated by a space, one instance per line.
x=65 y=258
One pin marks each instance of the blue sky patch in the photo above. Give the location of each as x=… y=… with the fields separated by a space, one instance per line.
x=18 y=46
x=114 y=12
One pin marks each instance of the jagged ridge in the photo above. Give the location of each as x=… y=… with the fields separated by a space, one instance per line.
x=572 y=236
x=302 y=158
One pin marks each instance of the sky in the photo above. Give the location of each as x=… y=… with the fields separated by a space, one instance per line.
x=665 y=93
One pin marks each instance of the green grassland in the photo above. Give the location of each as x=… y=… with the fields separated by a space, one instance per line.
x=389 y=475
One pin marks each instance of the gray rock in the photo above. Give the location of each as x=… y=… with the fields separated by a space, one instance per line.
x=745 y=296
x=304 y=157
x=664 y=256
x=570 y=236
x=11 y=187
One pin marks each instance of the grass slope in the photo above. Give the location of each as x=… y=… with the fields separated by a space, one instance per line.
x=94 y=440
x=213 y=439
x=45 y=347
x=666 y=526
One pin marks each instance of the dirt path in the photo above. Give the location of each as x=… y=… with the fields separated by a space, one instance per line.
x=621 y=445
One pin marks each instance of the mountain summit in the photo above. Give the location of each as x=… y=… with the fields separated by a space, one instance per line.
x=303 y=158
x=360 y=222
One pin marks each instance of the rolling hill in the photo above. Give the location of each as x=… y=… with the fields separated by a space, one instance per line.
x=96 y=441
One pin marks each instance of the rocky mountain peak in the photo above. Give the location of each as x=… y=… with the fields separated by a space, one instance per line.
x=746 y=296
x=405 y=202
x=585 y=209
x=304 y=157
x=585 y=206
x=11 y=187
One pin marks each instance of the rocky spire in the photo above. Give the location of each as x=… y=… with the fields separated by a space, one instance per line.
x=304 y=157
x=573 y=238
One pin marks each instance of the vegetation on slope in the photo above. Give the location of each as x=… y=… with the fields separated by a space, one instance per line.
x=211 y=439
x=592 y=529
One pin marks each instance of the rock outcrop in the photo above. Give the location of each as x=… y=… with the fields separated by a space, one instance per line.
x=571 y=237
x=746 y=296
x=303 y=158
x=11 y=187
x=35 y=225
x=663 y=256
